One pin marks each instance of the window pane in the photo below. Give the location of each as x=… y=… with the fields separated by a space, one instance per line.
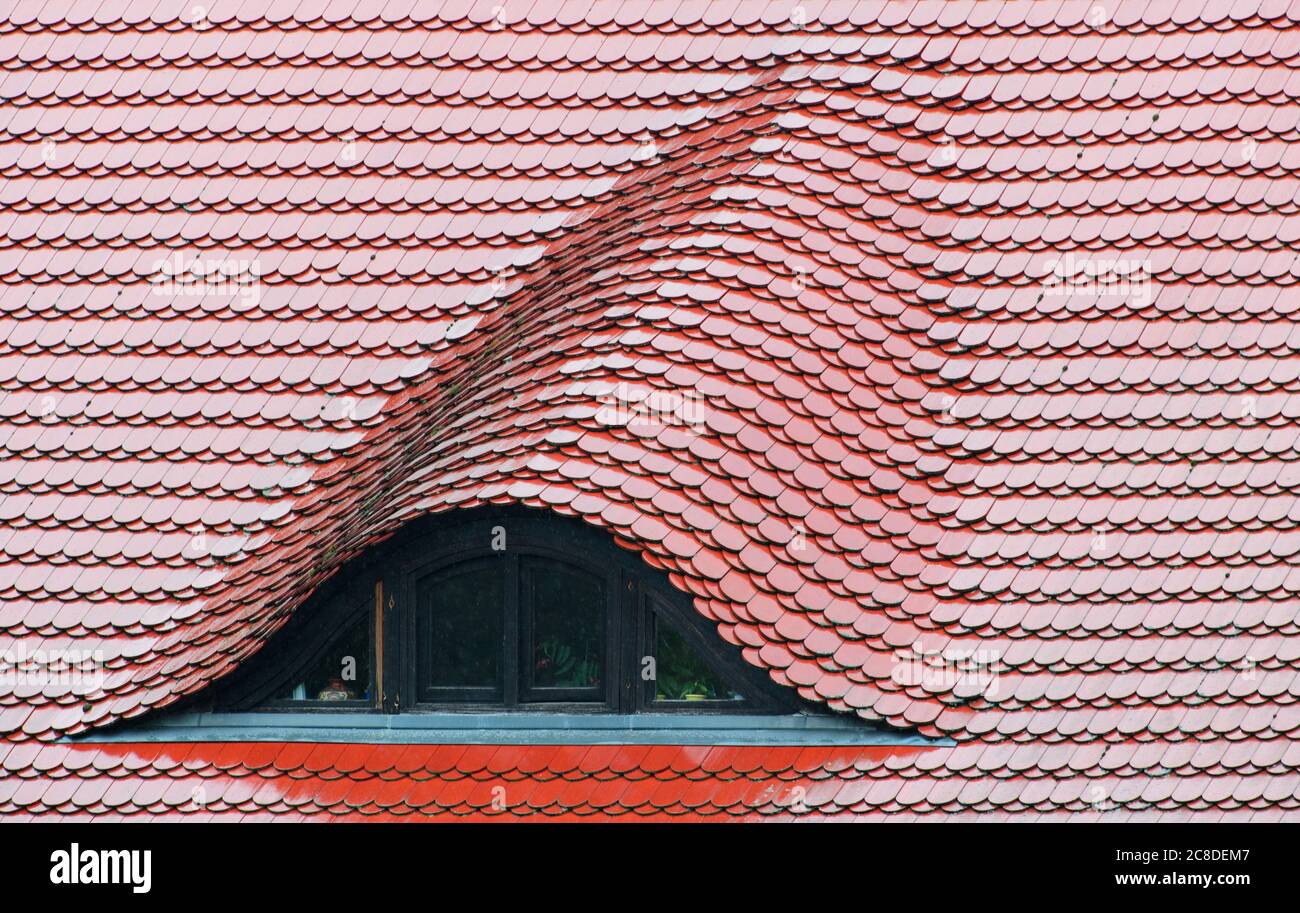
x=681 y=674
x=568 y=628
x=460 y=629
x=342 y=673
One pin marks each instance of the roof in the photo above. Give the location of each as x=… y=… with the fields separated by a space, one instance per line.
x=453 y=233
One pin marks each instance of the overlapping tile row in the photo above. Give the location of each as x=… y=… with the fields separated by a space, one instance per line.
x=460 y=235
x=296 y=781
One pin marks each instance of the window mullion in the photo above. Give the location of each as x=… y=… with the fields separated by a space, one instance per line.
x=613 y=645
x=628 y=646
x=512 y=646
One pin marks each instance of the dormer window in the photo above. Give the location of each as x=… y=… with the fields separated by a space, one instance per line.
x=510 y=611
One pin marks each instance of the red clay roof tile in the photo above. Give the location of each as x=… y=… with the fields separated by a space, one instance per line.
x=842 y=249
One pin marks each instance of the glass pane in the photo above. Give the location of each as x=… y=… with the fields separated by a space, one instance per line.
x=342 y=673
x=681 y=674
x=460 y=629
x=568 y=628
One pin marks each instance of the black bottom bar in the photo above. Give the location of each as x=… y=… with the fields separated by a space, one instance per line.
x=298 y=863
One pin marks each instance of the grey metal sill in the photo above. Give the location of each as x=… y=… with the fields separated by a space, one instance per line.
x=512 y=729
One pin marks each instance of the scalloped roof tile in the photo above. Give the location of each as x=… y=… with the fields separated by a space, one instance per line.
x=987 y=302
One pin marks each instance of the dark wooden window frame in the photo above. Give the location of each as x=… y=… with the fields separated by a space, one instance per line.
x=382 y=587
x=340 y=603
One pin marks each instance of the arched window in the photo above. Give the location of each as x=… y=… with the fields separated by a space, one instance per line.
x=507 y=610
